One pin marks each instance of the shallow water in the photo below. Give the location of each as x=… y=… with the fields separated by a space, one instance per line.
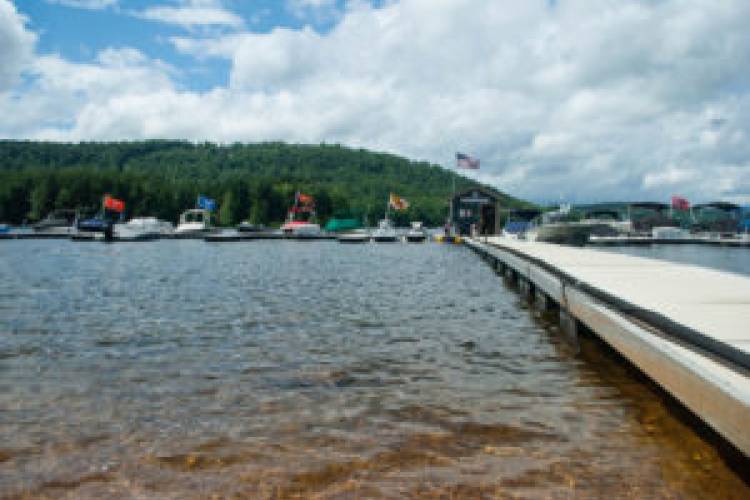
x=180 y=369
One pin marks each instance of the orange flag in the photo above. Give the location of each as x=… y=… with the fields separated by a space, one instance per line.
x=398 y=203
x=305 y=199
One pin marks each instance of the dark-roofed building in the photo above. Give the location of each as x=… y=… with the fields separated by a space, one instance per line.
x=477 y=207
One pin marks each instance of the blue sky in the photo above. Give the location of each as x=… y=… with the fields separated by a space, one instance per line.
x=565 y=99
x=78 y=32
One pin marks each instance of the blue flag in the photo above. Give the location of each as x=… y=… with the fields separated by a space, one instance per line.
x=206 y=203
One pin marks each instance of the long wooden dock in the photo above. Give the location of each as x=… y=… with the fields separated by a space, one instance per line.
x=686 y=327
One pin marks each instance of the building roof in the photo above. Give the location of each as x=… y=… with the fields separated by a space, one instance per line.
x=720 y=205
x=653 y=205
x=485 y=191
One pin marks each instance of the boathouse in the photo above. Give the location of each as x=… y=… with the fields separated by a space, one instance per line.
x=479 y=208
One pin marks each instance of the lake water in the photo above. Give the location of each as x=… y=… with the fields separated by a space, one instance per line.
x=278 y=369
x=731 y=259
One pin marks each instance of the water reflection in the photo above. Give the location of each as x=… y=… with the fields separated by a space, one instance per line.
x=273 y=369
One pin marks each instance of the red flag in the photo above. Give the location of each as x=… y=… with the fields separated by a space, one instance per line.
x=113 y=204
x=680 y=203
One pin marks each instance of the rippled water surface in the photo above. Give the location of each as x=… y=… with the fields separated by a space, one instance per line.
x=181 y=369
x=732 y=259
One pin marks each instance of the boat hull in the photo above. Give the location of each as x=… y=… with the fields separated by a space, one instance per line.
x=191 y=234
x=450 y=238
x=385 y=239
x=575 y=234
x=353 y=239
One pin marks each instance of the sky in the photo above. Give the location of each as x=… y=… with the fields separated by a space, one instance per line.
x=561 y=100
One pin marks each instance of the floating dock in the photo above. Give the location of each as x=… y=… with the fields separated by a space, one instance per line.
x=30 y=235
x=686 y=327
x=229 y=237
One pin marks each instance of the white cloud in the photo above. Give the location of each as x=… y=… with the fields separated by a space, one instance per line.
x=588 y=101
x=86 y=4
x=190 y=14
x=72 y=101
x=17 y=45
x=670 y=176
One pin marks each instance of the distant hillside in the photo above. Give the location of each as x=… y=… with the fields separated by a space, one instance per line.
x=249 y=181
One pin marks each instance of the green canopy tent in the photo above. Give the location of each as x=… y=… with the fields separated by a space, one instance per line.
x=336 y=225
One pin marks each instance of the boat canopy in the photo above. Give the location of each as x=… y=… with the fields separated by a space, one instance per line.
x=719 y=205
x=652 y=205
x=517 y=226
x=524 y=214
x=601 y=214
x=335 y=225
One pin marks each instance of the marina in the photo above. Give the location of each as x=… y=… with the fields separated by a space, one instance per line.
x=370 y=249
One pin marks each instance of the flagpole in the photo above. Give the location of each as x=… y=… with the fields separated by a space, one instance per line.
x=453 y=196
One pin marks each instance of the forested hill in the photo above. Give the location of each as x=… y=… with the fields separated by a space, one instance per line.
x=249 y=181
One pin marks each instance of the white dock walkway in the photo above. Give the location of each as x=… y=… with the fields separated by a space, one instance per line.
x=686 y=327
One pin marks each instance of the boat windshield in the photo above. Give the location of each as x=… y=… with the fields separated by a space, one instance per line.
x=194 y=217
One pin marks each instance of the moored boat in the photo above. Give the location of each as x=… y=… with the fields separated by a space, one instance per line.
x=195 y=222
x=385 y=232
x=300 y=221
x=59 y=221
x=249 y=227
x=143 y=228
x=417 y=233
x=670 y=233
x=356 y=236
x=564 y=227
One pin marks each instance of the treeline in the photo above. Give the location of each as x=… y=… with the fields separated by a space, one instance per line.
x=253 y=182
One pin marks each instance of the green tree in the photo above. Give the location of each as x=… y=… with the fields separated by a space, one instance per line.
x=40 y=200
x=227 y=209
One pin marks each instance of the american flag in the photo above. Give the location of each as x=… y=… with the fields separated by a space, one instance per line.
x=466 y=161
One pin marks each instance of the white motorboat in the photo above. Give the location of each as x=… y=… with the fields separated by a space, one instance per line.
x=143 y=228
x=670 y=233
x=60 y=221
x=563 y=227
x=249 y=227
x=417 y=233
x=355 y=236
x=300 y=221
x=385 y=233
x=301 y=228
x=194 y=222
